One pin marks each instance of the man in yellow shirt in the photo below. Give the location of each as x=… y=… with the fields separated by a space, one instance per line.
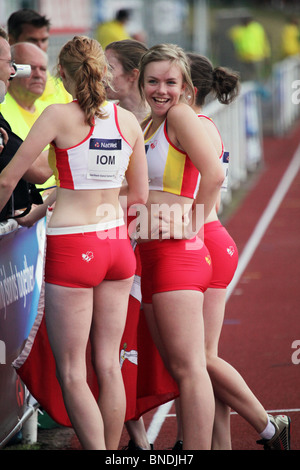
x=27 y=25
x=114 y=30
x=21 y=107
x=252 y=48
x=290 y=39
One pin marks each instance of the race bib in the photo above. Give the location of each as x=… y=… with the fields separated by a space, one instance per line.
x=225 y=163
x=104 y=159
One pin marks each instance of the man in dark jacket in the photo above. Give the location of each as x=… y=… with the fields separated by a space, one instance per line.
x=25 y=193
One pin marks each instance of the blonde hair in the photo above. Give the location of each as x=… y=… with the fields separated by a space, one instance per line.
x=174 y=54
x=85 y=63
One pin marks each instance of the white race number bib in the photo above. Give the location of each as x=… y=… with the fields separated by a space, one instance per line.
x=104 y=159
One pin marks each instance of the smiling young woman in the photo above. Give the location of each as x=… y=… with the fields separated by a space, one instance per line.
x=184 y=170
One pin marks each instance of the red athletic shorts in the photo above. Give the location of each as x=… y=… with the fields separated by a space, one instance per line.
x=169 y=265
x=85 y=259
x=223 y=252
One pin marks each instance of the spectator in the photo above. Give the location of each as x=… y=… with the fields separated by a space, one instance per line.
x=22 y=106
x=27 y=25
x=13 y=141
x=114 y=30
x=252 y=48
x=290 y=39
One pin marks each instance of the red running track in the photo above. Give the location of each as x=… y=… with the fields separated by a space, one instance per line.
x=262 y=315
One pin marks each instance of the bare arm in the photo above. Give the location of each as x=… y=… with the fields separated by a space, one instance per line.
x=39 y=172
x=137 y=188
x=42 y=132
x=4 y=138
x=38 y=212
x=185 y=126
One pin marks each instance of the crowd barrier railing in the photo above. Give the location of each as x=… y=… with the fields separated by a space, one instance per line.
x=243 y=123
x=241 y=129
x=285 y=94
x=21 y=274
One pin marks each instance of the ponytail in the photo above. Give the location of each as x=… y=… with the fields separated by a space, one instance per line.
x=223 y=82
x=85 y=62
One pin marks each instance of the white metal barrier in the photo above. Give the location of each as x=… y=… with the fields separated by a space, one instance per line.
x=21 y=265
x=285 y=94
x=242 y=123
x=240 y=126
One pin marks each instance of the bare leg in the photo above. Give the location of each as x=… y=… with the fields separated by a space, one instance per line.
x=178 y=332
x=71 y=316
x=179 y=436
x=68 y=319
x=137 y=432
x=221 y=433
x=109 y=319
x=229 y=387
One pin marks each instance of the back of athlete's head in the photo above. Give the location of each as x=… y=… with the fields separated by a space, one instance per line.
x=223 y=82
x=128 y=52
x=84 y=61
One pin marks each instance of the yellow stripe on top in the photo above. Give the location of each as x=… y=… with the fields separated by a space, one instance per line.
x=169 y=168
x=174 y=169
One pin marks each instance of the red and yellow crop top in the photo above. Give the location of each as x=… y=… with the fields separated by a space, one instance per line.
x=169 y=168
x=98 y=162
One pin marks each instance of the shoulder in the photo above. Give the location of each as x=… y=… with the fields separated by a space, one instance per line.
x=56 y=111
x=49 y=113
x=126 y=116
x=180 y=111
x=181 y=116
x=52 y=117
x=122 y=111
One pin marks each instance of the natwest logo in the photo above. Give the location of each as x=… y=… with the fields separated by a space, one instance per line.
x=105 y=144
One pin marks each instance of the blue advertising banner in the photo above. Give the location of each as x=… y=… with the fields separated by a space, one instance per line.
x=21 y=271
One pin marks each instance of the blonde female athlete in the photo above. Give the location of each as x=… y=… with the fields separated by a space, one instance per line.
x=176 y=271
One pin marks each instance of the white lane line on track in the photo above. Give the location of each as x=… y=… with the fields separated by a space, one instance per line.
x=158 y=420
x=260 y=229
x=289 y=410
x=265 y=220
